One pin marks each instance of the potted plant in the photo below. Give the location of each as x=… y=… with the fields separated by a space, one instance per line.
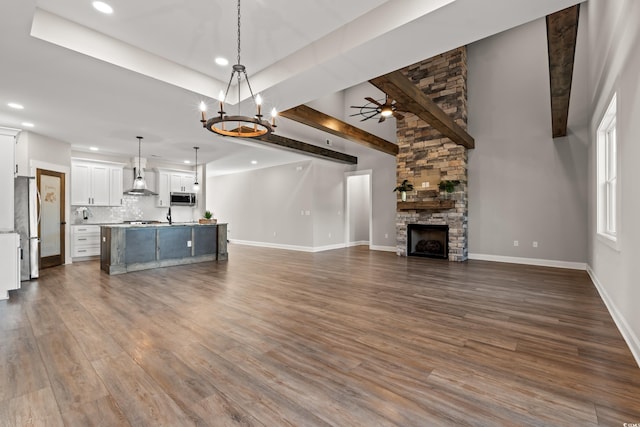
x=403 y=188
x=208 y=218
x=447 y=187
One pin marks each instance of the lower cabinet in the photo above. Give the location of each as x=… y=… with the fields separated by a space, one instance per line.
x=85 y=240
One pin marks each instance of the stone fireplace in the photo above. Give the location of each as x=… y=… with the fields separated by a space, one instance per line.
x=426 y=157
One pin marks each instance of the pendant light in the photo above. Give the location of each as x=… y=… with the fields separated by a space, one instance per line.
x=196 y=186
x=139 y=184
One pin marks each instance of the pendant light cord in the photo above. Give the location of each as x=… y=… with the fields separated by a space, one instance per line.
x=139 y=154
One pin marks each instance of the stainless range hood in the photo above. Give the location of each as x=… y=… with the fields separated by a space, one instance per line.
x=139 y=184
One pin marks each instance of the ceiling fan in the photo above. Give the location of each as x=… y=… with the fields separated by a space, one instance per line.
x=374 y=108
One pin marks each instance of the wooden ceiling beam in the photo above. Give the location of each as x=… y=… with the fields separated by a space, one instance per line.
x=308 y=149
x=562 y=33
x=318 y=120
x=411 y=99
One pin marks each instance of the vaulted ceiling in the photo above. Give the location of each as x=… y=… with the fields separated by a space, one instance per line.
x=99 y=80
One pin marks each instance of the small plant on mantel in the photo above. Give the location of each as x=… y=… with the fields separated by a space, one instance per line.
x=447 y=187
x=403 y=188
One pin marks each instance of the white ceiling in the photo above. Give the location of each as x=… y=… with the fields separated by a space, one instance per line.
x=163 y=50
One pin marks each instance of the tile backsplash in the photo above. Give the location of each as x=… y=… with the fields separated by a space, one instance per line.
x=133 y=208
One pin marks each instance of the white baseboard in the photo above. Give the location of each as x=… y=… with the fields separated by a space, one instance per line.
x=359 y=243
x=383 y=248
x=629 y=336
x=530 y=261
x=287 y=247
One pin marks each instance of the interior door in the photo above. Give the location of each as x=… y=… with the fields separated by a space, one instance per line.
x=51 y=229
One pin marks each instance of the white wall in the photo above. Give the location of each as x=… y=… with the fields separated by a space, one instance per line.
x=358 y=208
x=523 y=184
x=614 y=66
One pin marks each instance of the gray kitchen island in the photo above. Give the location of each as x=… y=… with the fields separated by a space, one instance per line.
x=129 y=247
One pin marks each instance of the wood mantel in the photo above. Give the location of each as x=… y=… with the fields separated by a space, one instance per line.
x=431 y=205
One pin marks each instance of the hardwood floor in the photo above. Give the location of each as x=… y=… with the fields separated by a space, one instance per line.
x=347 y=338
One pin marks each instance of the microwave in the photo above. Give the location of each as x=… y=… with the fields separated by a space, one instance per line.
x=182 y=199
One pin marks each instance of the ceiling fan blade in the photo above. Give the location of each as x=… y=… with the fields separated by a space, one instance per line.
x=369 y=117
x=373 y=101
x=382 y=119
x=398 y=116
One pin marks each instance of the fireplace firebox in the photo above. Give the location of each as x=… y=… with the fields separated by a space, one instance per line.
x=427 y=240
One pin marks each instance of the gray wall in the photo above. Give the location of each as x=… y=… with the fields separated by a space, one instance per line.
x=614 y=66
x=273 y=206
x=523 y=185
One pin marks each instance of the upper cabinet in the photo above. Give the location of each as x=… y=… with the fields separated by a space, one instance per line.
x=7 y=173
x=96 y=183
x=182 y=182
x=172 y=181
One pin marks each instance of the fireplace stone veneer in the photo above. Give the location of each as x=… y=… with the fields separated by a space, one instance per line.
x=425 y=151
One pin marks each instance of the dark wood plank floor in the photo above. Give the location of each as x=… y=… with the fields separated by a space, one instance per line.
x=345 y=338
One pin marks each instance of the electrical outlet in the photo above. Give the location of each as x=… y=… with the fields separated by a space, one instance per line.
x=535 y=244
x=307 y=213
x=275 y=234
x=302 y=212
x=188 y=243
x=329 y=235
x=516 y=243
x=386 y=235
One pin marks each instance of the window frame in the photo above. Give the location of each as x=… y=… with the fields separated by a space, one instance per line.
x=607 y=174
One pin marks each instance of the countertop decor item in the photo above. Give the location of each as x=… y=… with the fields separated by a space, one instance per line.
x=208 y=218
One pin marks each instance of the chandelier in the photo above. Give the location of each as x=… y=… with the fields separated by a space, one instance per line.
x=239 y=125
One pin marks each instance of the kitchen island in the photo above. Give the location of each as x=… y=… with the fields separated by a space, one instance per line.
x=133 y=247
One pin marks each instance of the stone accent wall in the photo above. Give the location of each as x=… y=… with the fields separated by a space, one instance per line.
x=425 y=151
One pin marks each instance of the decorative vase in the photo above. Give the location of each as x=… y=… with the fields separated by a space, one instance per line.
x=403 y=196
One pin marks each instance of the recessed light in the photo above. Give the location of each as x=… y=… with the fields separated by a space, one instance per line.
x=93 y=148
x=186 y=162
x=222 y=61
x=16 y=105
x=254 y=162
x=101 y=6
x=28 y=124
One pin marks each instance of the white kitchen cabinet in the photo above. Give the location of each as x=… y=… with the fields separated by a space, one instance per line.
x=96 y=183
x=7 y=175
x=9 y=262
x=115 y=184
x=182 y=182
x=85 y=240
x=163 y=189
x=172 y=181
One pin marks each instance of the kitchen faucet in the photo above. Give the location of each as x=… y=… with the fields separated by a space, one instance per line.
x=169 y=216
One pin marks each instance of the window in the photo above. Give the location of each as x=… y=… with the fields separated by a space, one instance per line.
x=607 y=158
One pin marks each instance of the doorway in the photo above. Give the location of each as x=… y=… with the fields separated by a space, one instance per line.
x=51 y=229
x=358 y=207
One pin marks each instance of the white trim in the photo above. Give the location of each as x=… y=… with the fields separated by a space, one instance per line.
x=360 y=243
x=383 y=248
x=9 y=132
x=288 y=247
x=633 y=342
x=530 y=261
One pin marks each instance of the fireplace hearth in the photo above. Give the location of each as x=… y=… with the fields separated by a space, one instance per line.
x=427 y=240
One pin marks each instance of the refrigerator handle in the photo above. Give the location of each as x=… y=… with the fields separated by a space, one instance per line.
x=39 y=206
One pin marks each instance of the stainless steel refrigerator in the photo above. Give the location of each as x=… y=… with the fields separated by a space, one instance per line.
x=26 y=204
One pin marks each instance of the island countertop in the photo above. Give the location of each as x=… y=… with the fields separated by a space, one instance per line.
x=132 y=247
